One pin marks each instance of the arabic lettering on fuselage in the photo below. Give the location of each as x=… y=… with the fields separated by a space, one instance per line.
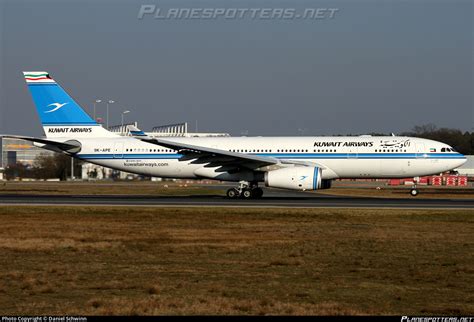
x=395 y=143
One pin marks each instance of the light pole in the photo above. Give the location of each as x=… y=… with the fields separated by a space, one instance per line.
x=72 y=168
x=123 y=113
x=108 y=102
x=97 y=101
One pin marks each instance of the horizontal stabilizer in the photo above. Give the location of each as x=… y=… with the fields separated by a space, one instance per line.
x=70 y=146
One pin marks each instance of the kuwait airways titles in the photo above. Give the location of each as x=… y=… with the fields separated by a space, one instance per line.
x=342 y=143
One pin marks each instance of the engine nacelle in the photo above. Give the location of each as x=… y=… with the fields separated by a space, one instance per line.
x=295 y=178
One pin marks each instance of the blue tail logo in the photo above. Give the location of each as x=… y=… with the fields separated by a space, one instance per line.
x=55 y=107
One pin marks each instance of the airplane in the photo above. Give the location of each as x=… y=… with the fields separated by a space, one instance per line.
x=295 y=163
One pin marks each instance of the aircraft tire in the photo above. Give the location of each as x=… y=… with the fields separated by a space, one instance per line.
x=247 y=194
x=232 y=193
x=257 y=192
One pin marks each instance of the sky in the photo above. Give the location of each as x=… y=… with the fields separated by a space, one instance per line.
x=375 y=66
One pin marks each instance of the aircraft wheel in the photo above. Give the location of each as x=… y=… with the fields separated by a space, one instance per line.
x=247 y=194
x=257 y=192
x=232 y=193
x=414 y=192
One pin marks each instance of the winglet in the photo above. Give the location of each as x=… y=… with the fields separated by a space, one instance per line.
x=135 y=131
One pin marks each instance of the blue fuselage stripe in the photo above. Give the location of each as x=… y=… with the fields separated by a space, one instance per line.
x=284 y=156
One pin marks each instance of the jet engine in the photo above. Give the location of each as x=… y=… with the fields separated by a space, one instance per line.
x=295 y=178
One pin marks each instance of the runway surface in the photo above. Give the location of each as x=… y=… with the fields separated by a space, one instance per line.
x=271 y=199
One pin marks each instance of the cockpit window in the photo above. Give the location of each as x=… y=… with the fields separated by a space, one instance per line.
x=443 y=149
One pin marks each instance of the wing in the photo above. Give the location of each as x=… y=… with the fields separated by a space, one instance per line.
x=210 y=157
x=226 y=160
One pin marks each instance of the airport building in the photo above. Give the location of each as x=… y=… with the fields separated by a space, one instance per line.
x=176 y=130
x=13 y=151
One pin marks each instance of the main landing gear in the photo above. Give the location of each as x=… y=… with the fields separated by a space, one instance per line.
x=245 y=190
x=414 y=191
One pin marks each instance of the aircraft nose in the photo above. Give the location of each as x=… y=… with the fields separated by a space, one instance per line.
x=461 y=161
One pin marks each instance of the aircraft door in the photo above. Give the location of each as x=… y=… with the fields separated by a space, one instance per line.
x=118 y=150
x=420 y=150
x=353 y=152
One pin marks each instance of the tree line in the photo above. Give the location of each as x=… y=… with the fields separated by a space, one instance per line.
x=45 y=166
x=463 y=142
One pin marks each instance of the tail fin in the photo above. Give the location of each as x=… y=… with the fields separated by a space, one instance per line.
x=60 y=115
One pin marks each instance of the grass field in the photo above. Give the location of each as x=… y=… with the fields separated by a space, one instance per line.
x=102 y=260
x=106 y=188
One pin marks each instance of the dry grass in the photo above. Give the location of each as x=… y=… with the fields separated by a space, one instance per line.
x=85 y=260
x=147 y=188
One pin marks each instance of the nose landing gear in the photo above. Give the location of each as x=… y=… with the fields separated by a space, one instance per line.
x=245 y=190
x=414 y=191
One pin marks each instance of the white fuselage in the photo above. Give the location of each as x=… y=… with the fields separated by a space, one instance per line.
x=339 y=157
